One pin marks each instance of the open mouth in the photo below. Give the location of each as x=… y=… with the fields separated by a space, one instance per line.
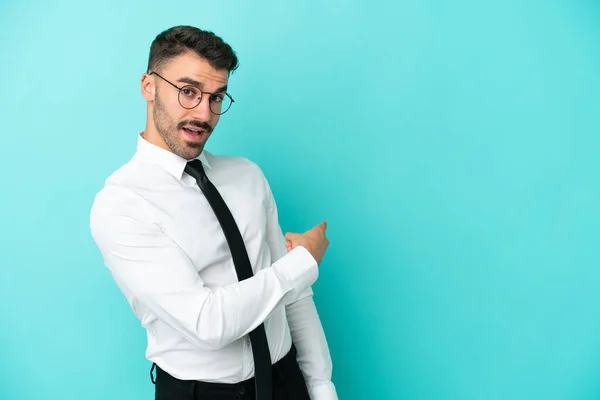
x=193 y=133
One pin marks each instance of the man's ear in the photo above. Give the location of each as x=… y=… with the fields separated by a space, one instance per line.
x=148 y=87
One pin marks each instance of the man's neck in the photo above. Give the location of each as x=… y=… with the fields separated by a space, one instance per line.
x=152 y=136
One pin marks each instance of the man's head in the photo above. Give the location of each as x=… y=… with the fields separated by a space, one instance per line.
x=185 y=85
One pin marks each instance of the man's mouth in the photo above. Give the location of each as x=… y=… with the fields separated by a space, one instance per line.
x=193 y=131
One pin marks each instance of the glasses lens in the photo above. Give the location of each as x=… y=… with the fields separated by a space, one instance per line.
x=219 y=103
x=189 y=96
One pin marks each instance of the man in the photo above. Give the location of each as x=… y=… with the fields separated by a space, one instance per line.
x=193 y=241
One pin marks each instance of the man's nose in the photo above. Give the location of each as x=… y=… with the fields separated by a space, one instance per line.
x=202 y=111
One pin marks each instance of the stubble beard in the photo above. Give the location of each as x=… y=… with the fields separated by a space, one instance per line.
x=169 y=131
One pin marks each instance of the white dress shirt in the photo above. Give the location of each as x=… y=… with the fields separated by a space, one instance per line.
x=166 y=250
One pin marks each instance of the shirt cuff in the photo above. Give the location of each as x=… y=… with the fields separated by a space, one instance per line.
x=323 y=392
x=298 y=268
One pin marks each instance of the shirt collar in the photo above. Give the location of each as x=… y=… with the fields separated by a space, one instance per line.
x=171 y=162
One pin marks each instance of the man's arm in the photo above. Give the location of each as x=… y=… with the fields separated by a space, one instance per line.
x=313 y=353
x=305 y=326
x=162 y=277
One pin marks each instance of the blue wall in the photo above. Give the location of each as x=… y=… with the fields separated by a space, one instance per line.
x=452 y=147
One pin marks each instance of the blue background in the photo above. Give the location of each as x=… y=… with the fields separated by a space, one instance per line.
x=451 y=145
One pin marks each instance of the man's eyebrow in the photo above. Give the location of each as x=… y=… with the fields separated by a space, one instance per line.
x=189 y=81
x=194 y=82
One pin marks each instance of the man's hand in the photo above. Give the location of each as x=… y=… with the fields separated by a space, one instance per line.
x=313 y=240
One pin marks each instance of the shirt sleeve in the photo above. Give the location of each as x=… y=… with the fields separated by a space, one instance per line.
x=313 y=352
x=159 y=274
x=305 y=325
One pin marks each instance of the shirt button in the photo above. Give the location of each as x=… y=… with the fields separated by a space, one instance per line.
x=248 y=342
x=242 y=390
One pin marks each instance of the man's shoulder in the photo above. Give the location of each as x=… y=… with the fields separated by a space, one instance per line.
x=119 y=187
x=136 y=173
x=239 y=164
x=227 y=159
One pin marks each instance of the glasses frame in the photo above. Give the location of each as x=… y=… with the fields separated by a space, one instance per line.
x=202 y=92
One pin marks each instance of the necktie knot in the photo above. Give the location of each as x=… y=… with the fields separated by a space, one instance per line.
x=195 y=169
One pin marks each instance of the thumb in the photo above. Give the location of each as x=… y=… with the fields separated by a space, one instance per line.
x=323 y=225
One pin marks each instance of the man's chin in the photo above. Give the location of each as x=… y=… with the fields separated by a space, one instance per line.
x=191 y=150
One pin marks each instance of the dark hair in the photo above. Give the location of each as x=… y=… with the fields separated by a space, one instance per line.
x=180 y=39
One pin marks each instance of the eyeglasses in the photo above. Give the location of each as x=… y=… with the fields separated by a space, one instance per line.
x=190 y=96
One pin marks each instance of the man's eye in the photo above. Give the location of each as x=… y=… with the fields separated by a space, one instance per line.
x=217 y=98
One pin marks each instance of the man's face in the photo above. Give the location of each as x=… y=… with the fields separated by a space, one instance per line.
x=185 y=131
